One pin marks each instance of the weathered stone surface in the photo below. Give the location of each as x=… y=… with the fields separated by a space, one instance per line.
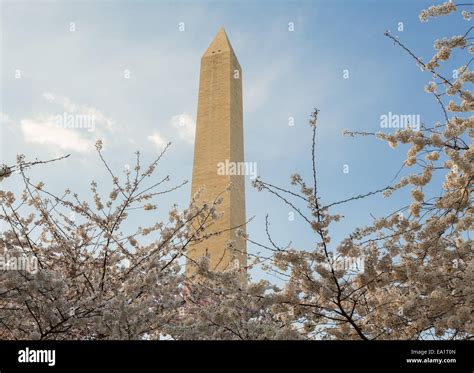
x=219 y=137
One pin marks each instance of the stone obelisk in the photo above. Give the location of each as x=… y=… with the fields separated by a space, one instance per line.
x=220 y=140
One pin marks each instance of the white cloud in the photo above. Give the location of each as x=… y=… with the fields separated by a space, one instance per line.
x=158 y=140
x=74 y=130
x=4 y=118
x=72 y=107
x=185 y=126
x=43 y=130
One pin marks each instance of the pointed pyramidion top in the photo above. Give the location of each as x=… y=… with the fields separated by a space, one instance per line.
x=220 y=44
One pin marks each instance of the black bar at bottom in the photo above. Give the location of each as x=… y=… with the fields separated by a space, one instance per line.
x=144 y=356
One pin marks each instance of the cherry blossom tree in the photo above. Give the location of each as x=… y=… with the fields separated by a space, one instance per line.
x=417 y=278
x=94 y=281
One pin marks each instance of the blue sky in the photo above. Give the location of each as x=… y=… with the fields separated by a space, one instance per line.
x=285 y=74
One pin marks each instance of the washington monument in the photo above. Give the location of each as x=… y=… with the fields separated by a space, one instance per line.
x=220 y=138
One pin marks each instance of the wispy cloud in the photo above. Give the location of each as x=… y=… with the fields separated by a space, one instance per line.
x=158 y=140
x=185 y=126
x=74 y=108
x=44 y=130
x=74 y=128
x=4 y=118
